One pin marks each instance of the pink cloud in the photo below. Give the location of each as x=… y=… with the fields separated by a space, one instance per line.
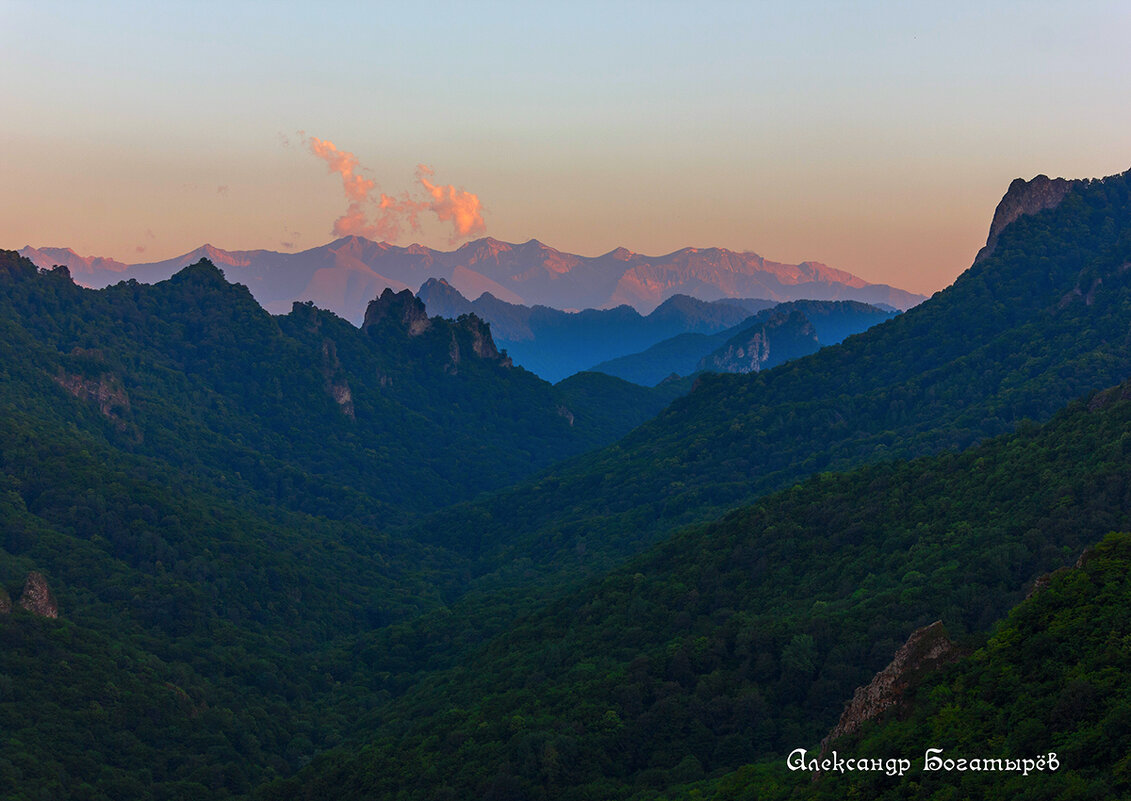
x=461 y=208
x=385 y=216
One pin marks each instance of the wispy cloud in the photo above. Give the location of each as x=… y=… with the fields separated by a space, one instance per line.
x=376 y=215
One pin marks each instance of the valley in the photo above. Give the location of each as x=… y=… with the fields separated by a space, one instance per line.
x=314 y=552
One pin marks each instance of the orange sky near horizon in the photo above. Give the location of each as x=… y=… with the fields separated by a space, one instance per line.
x=874 y=137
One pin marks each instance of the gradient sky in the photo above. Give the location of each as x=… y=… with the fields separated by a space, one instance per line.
x=874 y=137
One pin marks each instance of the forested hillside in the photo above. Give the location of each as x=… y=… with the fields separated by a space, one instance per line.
x=684 y=354
x=207 y=489
x=1049 y=688
x=738 y=641
x=403 y=416
x=1042 y=319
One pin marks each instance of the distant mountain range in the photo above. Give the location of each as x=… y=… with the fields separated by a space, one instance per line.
x=760 y=341
x=344 y=275
x=646 y=349
x=556 y=344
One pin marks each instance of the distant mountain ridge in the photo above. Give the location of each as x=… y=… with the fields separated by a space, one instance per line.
x=790 y=332
x=416 y=385
x=344 y=275
x=556 y=344
x=685 y=354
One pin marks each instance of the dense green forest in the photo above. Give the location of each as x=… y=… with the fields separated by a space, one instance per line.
x=211 y=515
x=738 y=641
x=1052 y=680
x=304 y=409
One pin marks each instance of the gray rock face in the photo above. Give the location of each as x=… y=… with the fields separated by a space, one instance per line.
x=784 y=336
x=482 y=343
x=335 y=379
x=1024 y=197
x=403 y=307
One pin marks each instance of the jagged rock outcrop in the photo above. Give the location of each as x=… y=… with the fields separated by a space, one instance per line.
x=1024 y=197
x=452 y=367
x=335 y=380
x=482 y=343
x=308 y=314
x=925 y=650
x=402 y=307
x=37 y=598
x=107 y=391
x=784 y=336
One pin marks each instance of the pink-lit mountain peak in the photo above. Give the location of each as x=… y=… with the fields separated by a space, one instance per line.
x=354 y=244
x=619 y=254
x=231 y=258
x=345 y=274
x=487 y=244
x=76 y=264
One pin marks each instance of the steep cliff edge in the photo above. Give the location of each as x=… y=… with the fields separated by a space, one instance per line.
x=403 y=307
x=1024 y=197
x=783 y=336
x=925 y=650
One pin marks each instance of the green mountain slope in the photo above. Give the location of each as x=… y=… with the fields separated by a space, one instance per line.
x=222 y=502
x=403 y=416
x=737 y=641
x=1051 y=680
x=184 y=662
x=608 y=403
x=207 y=489
x=1044 y=318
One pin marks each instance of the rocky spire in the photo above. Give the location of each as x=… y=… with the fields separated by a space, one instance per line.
x=1022 y=198
x=402 y=307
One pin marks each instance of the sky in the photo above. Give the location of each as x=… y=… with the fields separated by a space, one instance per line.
x=876 y=137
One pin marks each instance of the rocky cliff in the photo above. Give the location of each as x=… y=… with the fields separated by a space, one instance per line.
x=482 y=344
x=37 y=598
x=784 y=336
x=107 y=391
x=925 y=650
x=402 y=307
x=1024 y=197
